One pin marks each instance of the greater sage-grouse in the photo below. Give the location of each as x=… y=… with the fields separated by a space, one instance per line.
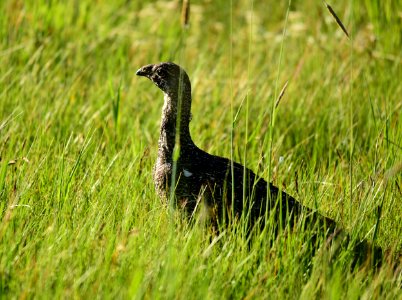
x=199 y=176
x=202 y=176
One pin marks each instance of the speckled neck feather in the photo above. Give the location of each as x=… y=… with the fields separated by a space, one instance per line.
x=175 y=122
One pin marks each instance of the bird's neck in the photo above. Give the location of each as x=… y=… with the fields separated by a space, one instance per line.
x=176 y=114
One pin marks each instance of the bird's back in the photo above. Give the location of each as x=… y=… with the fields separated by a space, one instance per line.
x=230 y=190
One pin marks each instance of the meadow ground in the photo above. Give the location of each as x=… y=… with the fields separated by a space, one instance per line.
x=78 y=139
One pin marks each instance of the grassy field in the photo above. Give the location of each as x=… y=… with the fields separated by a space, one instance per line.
x=78 y=140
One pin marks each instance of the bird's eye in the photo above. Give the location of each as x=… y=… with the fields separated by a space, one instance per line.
x=160 y=72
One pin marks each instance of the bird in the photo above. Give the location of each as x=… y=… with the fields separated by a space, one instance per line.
x=189 y=176
x=226 y=187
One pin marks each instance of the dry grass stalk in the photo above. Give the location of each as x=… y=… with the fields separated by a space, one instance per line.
x=281 y=94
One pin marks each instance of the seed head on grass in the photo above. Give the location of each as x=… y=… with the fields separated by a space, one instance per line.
x=338 y=21
x=185 y=13
x=281 y=94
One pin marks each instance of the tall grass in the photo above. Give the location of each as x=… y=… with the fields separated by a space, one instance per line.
x=78 y=138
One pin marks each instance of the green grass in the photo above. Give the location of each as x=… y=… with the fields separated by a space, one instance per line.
x=78 y=139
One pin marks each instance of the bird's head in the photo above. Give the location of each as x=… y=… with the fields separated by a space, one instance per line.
x=167 y=76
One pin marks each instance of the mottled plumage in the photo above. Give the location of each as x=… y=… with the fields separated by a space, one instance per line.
x=202 y=177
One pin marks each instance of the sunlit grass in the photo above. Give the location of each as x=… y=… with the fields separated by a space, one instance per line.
x=78 y=139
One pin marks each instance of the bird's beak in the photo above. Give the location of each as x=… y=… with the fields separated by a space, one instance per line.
x=141 y=72
x=145 y=71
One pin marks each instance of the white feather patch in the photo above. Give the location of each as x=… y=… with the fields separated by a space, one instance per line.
x=187 y=173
